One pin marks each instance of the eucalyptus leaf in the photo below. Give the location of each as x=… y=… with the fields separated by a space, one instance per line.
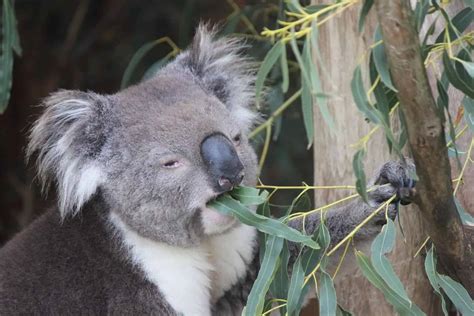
x=155 y=67
x=275 y=99
x=360 y=97
x=363 y=13
x=280 y=282
x=400 y=305
x=284 y=71
x=327 y=295
x=260 y=287
x=317 y=91
x=466 y=218
x=430 y=269
x=358 y=166
x=457 y=24
x=469 y=66
x=229 y=206
x=380 y=60
x=468 y=104
x=307 y=109
x=9 y=43
x=455 y=78
x=136 y=59
x=421 y=9
x=267 y=64
x=382 y=245
x=457 y=294
x=295 y=288
x=249 y=196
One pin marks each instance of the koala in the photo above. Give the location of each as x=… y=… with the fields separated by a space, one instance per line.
x=132 y=232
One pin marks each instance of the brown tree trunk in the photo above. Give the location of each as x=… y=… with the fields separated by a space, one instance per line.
x=426 y=137
x=341 y=47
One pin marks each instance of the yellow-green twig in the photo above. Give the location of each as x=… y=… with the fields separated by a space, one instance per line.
x=275 y=114
x=461 y=174
x=365 y=221
x=421 y=247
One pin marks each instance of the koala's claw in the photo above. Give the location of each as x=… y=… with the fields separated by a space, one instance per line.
x=395 y=174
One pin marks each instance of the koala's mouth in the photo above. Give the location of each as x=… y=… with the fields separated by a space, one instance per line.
x=215 y=222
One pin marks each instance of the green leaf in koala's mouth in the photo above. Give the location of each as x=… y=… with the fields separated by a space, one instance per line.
x=227 y=205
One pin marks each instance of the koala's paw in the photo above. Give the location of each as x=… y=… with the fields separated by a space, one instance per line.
x=394 y=178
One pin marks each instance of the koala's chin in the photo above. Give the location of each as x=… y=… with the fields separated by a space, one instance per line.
x=215 y=223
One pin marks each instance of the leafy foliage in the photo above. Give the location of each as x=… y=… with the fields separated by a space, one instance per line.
x=10 y=45
x=291 y=65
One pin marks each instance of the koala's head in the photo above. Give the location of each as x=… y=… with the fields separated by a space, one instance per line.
x=159 y=151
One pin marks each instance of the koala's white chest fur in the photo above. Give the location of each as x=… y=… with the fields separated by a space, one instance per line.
x=191 y=279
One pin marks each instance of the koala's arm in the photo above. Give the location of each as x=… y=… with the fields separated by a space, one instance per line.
x=393 y=179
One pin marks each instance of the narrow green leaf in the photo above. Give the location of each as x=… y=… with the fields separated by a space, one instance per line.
x=249 y=196
x=363 y=13
x=6 y=57
x=457 y=294
x=315 y=8
x=227 y=205
x=421 y=10
x=327 y=295
x=469 y=66
x=360 y=97
x=358 y=166
x=284 y=71
x=307 y=108
x=466 y=218
x=380 y=60
x=324 y=238
x=16 y=37
x=231 y=23
x=468 y=104
x=267 y=64
x=299 y=59
x=400 y=305
x=455 y=78
x=402 y=140
x=317 y=90
x=155 y=67
x=274 y=100
x=430 y=269
x=443 y=104
x=280 y=283
x=260 y=287
x=136 y=58
x=296 y=287
x=382 y=245
x=457 y=24
x=379 y=92
x=443 y=98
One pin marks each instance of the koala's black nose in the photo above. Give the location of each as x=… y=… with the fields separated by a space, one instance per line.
x=222 y=161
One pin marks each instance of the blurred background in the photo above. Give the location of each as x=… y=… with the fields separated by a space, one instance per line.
x=87 y=45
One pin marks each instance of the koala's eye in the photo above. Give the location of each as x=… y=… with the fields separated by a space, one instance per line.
x=237 y=139
x=171 y=164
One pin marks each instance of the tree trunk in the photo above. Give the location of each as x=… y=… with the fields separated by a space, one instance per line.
x=341 y=47
x=426 y=137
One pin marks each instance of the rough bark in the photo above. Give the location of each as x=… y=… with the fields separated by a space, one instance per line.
x=426 y=138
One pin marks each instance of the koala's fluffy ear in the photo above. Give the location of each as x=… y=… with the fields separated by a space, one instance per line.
x=68 y=138
x=219 y=65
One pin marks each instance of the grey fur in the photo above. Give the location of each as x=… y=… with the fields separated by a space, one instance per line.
x=108 y=155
